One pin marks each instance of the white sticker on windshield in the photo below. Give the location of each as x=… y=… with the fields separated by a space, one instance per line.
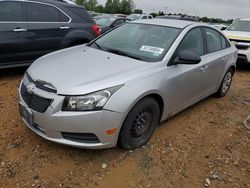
x=155 y=50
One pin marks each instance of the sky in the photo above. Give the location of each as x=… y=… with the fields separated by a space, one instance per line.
x=225 y=9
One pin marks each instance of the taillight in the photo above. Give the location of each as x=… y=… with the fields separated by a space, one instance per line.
x=97 y=29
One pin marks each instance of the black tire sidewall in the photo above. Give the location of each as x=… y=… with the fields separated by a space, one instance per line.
x=126 y=141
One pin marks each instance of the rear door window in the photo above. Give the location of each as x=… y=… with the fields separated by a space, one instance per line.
x=38 y=12
x=11 y=11
x=224 y=42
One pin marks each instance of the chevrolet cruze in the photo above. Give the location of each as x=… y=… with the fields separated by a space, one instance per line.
x=117 y=89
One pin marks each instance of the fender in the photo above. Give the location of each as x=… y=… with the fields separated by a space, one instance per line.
x=76 y=35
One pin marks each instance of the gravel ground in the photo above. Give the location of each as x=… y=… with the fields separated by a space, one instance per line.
x=205 y=146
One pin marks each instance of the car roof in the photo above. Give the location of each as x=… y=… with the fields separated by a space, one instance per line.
x=166 y=22
x=243 y=20
x=53 y=2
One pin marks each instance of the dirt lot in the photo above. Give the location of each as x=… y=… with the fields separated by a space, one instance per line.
x=207 y=145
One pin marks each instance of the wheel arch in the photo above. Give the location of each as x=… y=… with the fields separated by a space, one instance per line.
x=153 y=94
x=77 y=37
x=233 y=67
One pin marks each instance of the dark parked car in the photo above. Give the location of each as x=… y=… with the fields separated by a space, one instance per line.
x=108 y=23
x=30 y=29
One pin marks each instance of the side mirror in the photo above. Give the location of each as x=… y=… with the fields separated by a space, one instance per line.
x=188 y=58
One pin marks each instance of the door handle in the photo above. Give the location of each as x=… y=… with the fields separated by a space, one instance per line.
x=64 y=27
x=203 y=68
x=20 y=30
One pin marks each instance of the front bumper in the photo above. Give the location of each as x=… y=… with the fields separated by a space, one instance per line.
x=53 y=123
x=243 y=56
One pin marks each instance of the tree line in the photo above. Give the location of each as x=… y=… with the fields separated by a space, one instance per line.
x=111 y=6
x=128 y=7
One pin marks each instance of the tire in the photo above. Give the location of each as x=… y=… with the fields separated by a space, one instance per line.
x=226 y=83
x=139 y=124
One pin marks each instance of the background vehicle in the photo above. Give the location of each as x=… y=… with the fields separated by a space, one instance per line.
x=30 y=29
x=67 y=1
x=239 y=34
x=108 y=23
x=139 y=16
x=118 y=89
x=219 y=26
x=181 y=17
x=97 y=17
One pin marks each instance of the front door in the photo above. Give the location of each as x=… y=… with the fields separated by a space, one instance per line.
x=186 y=83
x=14 y=43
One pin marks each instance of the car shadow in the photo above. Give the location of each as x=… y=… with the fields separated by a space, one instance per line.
x=10 y=72
x=243 y=67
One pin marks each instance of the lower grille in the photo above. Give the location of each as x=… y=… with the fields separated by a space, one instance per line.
x=81 y=137
x=242 y=59
x=35 y=102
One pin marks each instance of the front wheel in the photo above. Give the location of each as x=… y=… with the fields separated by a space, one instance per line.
x=140 y=124
x=226 y=83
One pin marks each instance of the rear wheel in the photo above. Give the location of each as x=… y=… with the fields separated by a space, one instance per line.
x=140 y=124
x=226 y=83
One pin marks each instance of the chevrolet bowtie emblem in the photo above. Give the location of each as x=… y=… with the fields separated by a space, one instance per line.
x=31 y=88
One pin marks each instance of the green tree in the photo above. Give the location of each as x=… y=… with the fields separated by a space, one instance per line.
x=81 y=2
x=116 y=8
x=138 y=11
x=91 y=4
x=127 y=6
x=109 y=6
x=100 y=9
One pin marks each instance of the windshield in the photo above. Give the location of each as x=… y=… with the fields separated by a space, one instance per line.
x=145 y=42
x=242 y=25
x=105 y=21
x=133 y=17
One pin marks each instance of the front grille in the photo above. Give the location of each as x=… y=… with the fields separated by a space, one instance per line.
x=35 y=102
x=241 y=47
x=238 y=40
x=242 y=59
x=81 y=137
x=40 y=85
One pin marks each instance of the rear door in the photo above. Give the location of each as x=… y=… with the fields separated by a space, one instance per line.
x=48 y=26
x=216 y=58
x=13 y=33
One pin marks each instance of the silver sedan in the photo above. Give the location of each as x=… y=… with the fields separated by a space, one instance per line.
x=118 y=88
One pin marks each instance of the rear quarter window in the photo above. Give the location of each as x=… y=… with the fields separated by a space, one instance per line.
x=213 y=39
x=81 y=13
x=224 y=42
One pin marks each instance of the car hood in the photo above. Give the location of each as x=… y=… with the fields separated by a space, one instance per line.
x=81 y=70
x=237 y=35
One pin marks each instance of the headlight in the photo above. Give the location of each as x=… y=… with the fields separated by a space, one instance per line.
x=89 y=102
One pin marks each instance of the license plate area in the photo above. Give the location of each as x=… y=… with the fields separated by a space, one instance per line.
x=26 y=114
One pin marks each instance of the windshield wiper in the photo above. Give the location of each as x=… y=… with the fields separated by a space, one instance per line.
x=96 y=44
x=118 y=52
